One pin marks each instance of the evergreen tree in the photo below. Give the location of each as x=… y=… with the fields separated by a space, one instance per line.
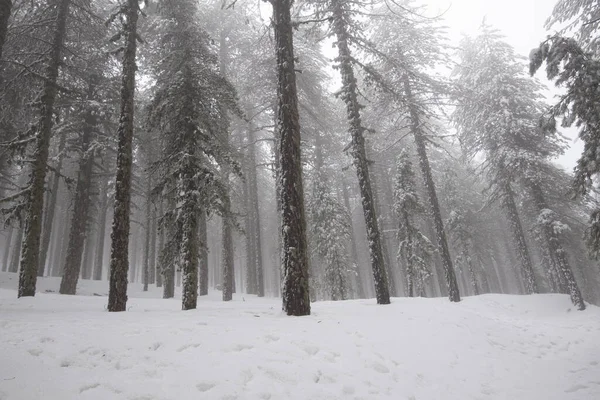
x=415 y=249
x=294 y=257
x=119 y=253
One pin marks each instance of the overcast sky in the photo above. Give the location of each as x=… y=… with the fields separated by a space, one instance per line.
x=522 y=23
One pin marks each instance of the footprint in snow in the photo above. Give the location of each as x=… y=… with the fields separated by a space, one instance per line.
x=187 y=346
x=205 y=386
x=155 y=345
x=382 y=369
x=85 y=388
x=271 y=338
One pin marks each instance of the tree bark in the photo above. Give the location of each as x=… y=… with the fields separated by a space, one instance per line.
x=6 y=251
x=119 y=263
x=30 y=251
x=5 y=9
x=81 y=211
x=442 y=241
x=250 y=219
x=188 y=252
x=51 y=206
x=294 y=257
x=152 y=250
x=256 y=236
x=161 y=245
x=349 y=95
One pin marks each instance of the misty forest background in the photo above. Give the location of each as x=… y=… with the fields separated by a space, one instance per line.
x=191 y=143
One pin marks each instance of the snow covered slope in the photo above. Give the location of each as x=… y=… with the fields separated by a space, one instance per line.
x=486 y=347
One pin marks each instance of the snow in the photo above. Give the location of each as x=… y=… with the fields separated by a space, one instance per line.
x=486 y=347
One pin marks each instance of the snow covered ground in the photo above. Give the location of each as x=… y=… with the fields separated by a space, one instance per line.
x=486 y=347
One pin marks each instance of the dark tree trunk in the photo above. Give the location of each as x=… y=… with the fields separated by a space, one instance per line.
x=81 y=212
x=440 y=234
x=556 y=250
x=203 y=239
x=518 y=237
x=30 y=251
x=51 y=206
x=349 y=95
x=152 y=250
x=6 y=252
x=5 y=9
x=119 y=254
x=294 y=257
x=160 y=247
x=99 y=260
x=227 y=253
x=188 y=253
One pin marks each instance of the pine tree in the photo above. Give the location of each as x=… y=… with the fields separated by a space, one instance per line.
x=119 y=253
x=5 y=9
x=340 y=14
x=189 y=109
x=294 y=257
x=497 y=111
x=42 y=131
x=414 y=247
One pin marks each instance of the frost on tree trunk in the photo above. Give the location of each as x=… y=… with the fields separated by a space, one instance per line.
x=203 y=239
x=518 y=237
x=188 y=253
x=152 y=250
x=81 y=211
x=349 y=96
x=51 y=206
x=119 y=252
x=30 y=250
x=550 y=236
x=160 y=247
x=294 y=257
x=438 y=224
x=5 y=9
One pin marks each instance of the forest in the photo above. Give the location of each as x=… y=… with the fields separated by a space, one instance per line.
x=331 y=150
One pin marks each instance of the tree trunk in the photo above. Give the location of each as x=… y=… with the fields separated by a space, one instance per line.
x=434 y=205
x=99 y=261
x=349 y=95
x=227 y=255
x=5 y=9
x=16 y=252
x=518 y=238
x=552 y=240
x=81 y=212
x=360 y=290
x=148 y=233
x=253 y=188
x=6 y=251
x=161 y=245
x=294 y=257
x=119 y=262
x=472 y=274
x=30 y=251
x=203 y=238
x=188 y=253
x=250 y=219
x=152 y=250
x=51 y=206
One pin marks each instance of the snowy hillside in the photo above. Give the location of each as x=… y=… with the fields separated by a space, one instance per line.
x=486 y=347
